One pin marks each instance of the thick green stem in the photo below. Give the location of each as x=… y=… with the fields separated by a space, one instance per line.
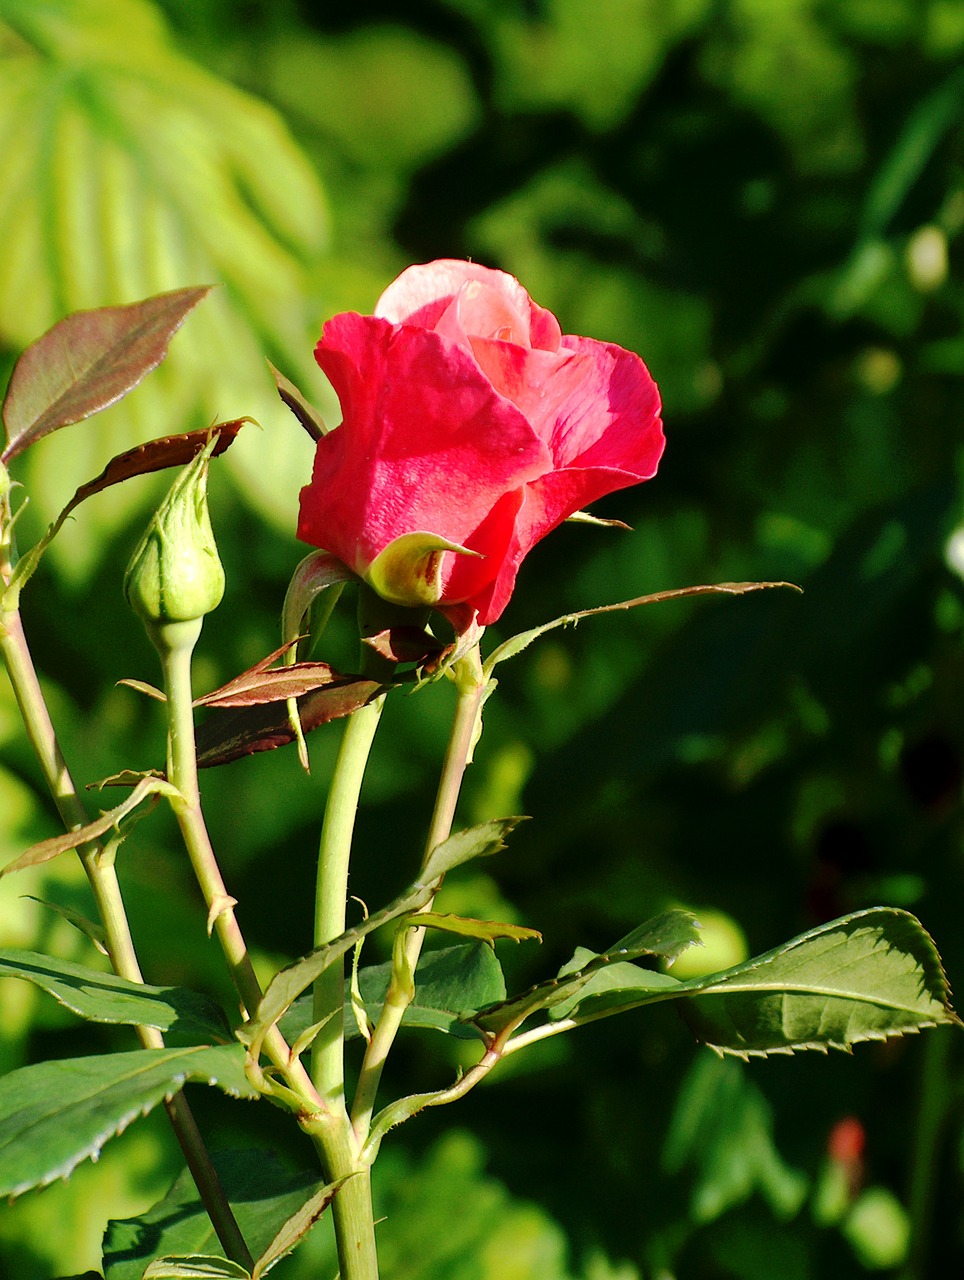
x=110 y=907
x=331 y=894
x=471 y=684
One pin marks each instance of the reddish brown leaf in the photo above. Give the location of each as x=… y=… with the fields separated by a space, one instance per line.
x=304 y=411
x=157 y=455
x=88 y=361
x=405 y=644
x=227 y=737
x=258 y=686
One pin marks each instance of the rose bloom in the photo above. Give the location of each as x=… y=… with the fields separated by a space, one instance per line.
x=472 y=427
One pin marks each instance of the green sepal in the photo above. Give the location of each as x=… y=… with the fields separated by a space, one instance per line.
x=409 y=570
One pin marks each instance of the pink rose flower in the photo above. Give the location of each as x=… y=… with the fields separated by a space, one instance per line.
x=471 y=428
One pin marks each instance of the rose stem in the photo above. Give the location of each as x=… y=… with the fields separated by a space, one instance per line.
x=105 y=888
x=471 y=685
x=352 y=1207
x=331 y=1133
x=175 y=643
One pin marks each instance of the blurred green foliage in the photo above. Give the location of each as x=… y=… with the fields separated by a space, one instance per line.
x=765 y=198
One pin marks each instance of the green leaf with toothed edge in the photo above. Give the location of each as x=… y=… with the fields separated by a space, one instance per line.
x=448 y=983
x=866 y=976
x=666 y=935
x=55 y=1114
x=271 y=1202
x=195 y=1266
x=104 y=997
x=475 y=842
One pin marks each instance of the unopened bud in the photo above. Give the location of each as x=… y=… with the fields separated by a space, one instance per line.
x=175 y=574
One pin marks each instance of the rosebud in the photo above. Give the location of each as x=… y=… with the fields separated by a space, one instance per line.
x=175 y=574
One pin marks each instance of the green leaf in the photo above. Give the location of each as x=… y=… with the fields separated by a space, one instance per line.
x=515 y=644
x=666 y=935
x=480 y=841
x=296 y=1228
x=55 y=1114
x=285 y=987
x=866 y=976
x=88 y=361
x=103 y=997
x=264 y=1195
x=486 y=930
x=617 y=986
x=449 y=984
x=147 y=787
x=195 y=1266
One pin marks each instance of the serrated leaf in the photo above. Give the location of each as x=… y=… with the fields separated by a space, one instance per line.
x=485 y=930
x=515 y=644
x=259 y=685
x=665 y=935
x=103 y=997
x=117 y=820
x=449 y=984
x=866 y=976
x=195 y=1266
x=88 y=361
x=53 y=1115
x=285 y=987
x=611 y=989
x=264 y=1196
x=229 y=735
x=296 y=1228
x=480 y=841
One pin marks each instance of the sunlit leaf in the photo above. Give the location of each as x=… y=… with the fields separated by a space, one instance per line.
x=88 y=361
x=260 y=685
x=103 y=997
x=137 y=171
x=485 y=930
x=296 y=1228
x=117 y=820
x=55 y=1114
x=194 y=1266
x=284 y=988
x=866 y=976
x=666 y=935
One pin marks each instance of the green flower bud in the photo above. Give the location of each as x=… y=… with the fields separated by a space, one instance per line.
x=175 y=574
